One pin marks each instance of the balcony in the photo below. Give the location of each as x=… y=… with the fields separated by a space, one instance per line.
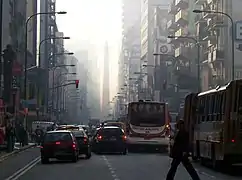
x=199 y=19
x=181 y=18
x=211 y=38
x=218 y=55
x=211 y=1
x=172 y=9
x=182 y=53
x=208 y=15
x=200 y=2
x=181 y=32
x=172 y=25
x=182 y=4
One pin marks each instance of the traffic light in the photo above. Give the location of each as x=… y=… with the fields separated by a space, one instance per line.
x=164 y=85
x=77 y=83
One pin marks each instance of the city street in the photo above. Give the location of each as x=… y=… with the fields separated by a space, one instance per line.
x=108 y=167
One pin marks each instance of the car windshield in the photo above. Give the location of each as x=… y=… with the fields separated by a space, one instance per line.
x=57 y=136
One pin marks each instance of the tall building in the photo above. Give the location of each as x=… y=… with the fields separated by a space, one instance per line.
x=149 y=42
x=214 y=32
x=182 y=27
x=13 y=31
x=129 y=60
x=106 y=84
x=93 y=96
x=47 y=28
x=82 y=76
x=31 y=8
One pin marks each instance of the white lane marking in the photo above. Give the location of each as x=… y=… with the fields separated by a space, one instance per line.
x=111 y=169
x=23 y=170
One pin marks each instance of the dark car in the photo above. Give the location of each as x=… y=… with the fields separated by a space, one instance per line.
x=61 y=145
x=110 y=139
x=83 y=143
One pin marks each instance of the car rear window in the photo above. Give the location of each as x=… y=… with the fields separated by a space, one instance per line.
x=78 y=133
x=57 y=136
x=111 y=131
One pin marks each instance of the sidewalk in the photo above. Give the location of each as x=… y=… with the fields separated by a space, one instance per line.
x=17 y=148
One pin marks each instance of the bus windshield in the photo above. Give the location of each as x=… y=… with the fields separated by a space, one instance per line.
x=147 y=114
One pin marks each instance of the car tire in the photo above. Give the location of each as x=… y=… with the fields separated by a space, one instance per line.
x=75 y=159
x=88 y=155
x=44 y=160
x=124 y=152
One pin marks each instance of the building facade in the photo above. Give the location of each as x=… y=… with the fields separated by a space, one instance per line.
x=129 y=60
x=214 y=32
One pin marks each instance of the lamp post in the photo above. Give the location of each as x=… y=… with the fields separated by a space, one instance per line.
x=53 y=79
x=232 y=32
x=46 y=39
x=26 y=50
x=198 y=55
x=57 y=100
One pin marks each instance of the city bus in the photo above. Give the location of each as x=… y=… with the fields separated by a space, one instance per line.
x=148 y=124
x=216 y=124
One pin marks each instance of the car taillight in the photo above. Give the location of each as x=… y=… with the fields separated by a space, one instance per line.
x=233 y=141
x=85 y=140
x=99 y=138
x=41 y=147
x=124 y=137
x=57 y=143
x=74 y=146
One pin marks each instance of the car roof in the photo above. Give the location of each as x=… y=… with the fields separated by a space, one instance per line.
x=58 y=131
x=110 y=127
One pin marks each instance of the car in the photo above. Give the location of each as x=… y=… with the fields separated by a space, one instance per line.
x=68 y=127
x=61 y=145
x=83 y=143
x=110 y=139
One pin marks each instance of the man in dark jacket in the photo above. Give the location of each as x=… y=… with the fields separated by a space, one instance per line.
x=179 y=153
x=10 y=135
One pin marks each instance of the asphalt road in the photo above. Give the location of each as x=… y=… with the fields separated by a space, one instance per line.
x=113 y=167
x=16 y=162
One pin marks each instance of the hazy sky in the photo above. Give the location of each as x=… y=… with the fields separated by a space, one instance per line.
x=95 y=21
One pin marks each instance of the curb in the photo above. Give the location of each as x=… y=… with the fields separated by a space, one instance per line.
x=4 y=157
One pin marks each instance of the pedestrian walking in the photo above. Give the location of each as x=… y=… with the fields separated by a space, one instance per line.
x=10 y=135
x=180 y=153
x=21 y=134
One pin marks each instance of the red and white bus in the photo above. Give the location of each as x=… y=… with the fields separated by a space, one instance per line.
x=148 y=124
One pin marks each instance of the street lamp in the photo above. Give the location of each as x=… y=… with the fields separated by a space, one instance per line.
x=198 y=55
x=60 y=54
x=26 y=46
x=46 y=39
x=232 y=32
x=53 y=78
x=57 y=89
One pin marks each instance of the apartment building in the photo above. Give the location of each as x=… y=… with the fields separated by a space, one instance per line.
x=185 y=62
x=129 y=60
x=214 y=31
